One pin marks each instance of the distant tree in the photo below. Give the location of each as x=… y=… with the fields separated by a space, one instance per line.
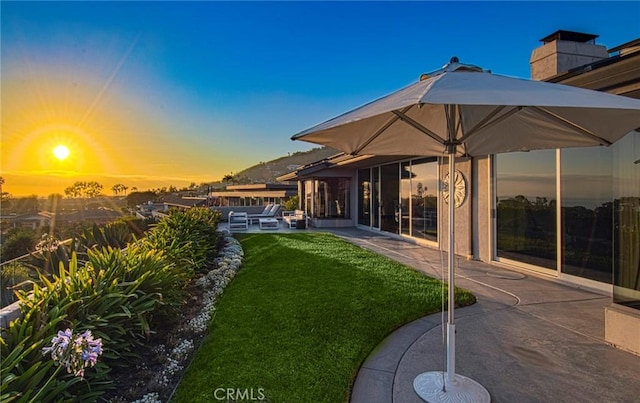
x=228 y=178
x=136 y=198
x=134 y=188
x=93 y=189
x=5 y=201
x=74 y=190
x=119 y=188
x=19 y=242
x=88 y=189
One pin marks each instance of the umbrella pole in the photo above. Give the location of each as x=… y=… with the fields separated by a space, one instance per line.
x=451 y=323
x=439 y=386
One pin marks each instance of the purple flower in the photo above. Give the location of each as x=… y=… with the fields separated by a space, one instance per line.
x=83 y=352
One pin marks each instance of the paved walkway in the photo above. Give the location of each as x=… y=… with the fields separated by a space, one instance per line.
x=527 y=339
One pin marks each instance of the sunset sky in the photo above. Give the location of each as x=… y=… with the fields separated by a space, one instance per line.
x=152 y=94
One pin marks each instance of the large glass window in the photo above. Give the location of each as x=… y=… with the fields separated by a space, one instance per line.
x=332 y=198
x=375 y=197
x=587 y=213
x=364 y=197
x=405 y=198
x=526 y=207
x=424 y=199
x=307 y=190
x=626 y=219
x=406 y=202
x=389 y=198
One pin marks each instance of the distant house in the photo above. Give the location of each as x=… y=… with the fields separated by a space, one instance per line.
x=100 y=215
x=30 y=220
x=43 y=218
x=253 y=194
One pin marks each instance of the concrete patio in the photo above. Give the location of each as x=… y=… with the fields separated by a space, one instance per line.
x=528 y=338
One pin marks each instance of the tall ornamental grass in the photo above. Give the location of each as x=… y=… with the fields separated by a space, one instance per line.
x=188 y=238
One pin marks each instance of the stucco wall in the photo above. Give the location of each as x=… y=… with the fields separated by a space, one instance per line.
x=463 y=214
x=482 y=209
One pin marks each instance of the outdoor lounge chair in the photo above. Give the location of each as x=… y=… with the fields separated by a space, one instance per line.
x=295 y=219
x=268 y=214
x=238 y=221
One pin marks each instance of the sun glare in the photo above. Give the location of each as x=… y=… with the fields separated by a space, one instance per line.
x=61 y=152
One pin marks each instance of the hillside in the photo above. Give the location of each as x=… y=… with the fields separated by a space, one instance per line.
x=267 y=172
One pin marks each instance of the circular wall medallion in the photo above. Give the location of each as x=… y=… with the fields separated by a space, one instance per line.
x=460 y=188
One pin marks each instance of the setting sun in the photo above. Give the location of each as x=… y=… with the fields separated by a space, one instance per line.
x=61 y=152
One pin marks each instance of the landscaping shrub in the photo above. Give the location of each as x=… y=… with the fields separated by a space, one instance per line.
x=115 y=235
x=137 y=226
x=189 y=238
x=115 y=294
x=292 y=204
x=24 y=370
x=18 y=242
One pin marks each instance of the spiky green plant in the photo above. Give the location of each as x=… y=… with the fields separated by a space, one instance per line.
x=189 y=237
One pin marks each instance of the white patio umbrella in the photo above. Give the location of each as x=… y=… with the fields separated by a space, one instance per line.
x=464 y=110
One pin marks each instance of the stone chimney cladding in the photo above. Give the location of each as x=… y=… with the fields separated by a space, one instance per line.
x=560 y=56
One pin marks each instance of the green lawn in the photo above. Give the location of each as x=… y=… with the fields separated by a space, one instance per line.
x=301 y=316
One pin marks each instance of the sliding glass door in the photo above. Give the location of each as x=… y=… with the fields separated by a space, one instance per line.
x=389 y=198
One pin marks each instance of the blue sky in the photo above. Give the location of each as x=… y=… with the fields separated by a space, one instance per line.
x=202 y=89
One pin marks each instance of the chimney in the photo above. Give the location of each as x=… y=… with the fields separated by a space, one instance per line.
x=564 y=50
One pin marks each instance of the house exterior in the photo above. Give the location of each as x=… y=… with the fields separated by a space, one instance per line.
x=258 y=194
x=571 y=214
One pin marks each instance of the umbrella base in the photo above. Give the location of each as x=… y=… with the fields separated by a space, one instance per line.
x=428 y=386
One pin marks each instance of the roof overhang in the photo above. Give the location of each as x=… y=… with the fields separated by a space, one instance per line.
x=341 y=161
x=266 y=193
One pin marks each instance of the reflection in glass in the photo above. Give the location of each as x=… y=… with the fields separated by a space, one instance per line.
x=626 y=192
x=375 y=197
x=424 y=199
x=332 y=198
x=307 y=190
x=587 y=213
x=526 y=207
x=389 y=200
x=364 y=197
x=405 y=196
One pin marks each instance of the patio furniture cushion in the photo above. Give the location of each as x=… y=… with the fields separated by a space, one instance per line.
x=238 y=221
x=293 y=217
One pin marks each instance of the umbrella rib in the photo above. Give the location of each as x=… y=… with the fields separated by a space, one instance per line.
x=406 y=119
x=578 y=128
x=378 y=132
x=487 y=122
